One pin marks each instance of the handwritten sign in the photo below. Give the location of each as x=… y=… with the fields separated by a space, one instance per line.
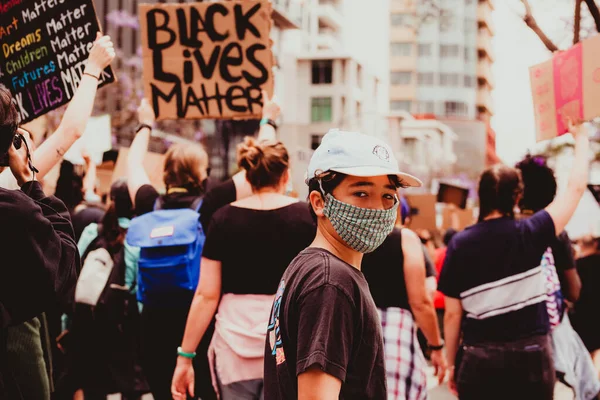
x=207 y=60
x=422 y=211
x=567 y=86
x=96 y=140
x=153 y=165
x=44 y=45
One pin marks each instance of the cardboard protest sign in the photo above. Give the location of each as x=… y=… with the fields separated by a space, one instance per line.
x=153 y=165
x=422 y=211
x=465 y=217
x=207 y=60
x=96 y=140
x=44 y=47
x=453 y=194
x=568 y=85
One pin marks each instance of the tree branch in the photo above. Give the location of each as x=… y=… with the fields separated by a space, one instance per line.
x=533 y=25
x=577 y=22
x=591 y=4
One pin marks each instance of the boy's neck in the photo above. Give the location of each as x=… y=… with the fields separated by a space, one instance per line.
x=326 y=241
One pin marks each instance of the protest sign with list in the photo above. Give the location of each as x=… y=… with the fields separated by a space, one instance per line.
x=207 y=60
x=44 y=45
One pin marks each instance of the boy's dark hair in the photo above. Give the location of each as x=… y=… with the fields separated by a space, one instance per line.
x=448 y=236
x=9 y=119
x=499 y=188
x=330 y=180
x=539 y=183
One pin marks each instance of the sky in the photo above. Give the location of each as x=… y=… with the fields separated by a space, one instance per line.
x=516 y=49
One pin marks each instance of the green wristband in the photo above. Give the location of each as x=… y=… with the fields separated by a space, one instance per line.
x=182 y=353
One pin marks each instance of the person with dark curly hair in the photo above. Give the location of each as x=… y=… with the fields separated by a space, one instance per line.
x=573 y=365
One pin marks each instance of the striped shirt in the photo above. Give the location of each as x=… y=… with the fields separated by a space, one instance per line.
x=494 y=268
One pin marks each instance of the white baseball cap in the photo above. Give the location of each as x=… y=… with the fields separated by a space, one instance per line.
x=356 y=154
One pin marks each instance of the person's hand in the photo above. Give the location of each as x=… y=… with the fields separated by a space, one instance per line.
x=146 y=113
x=19 y=163
x=576 y=128
x=101 y=55
x=438 y=360
x=452 y=382
x=451 y=207
x=271 y=109
x=183 y=379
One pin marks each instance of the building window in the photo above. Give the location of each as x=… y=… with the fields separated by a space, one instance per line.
x=401 y=77
x=400 y=105
x=401 y=49
x=315 y=141
x=425 y=78
x=469 y=54
x=322 y=72
x=470 y=81
x=449 y=79
x=449 y=50
x=426 y=107
x=424 y=50
x=400 y=19
x=456 y=109
x=321 y=109
x=470 y=25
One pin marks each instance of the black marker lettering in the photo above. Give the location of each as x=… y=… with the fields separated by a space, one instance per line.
x=242 y=21
x=230 y=97
x=207 y=70
x=256 y=99
x=188 y=67
x=229 y=60
x=158 y=94
x=251 y=56
x=209 y=23
x=157 y=66
x=154 y=29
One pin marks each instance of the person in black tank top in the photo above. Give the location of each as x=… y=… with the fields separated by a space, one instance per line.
x=396 y=276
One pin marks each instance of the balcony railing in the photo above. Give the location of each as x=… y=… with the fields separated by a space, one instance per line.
x=484 y=43
x=484 y=72
x=484 y=100
x=484 y=16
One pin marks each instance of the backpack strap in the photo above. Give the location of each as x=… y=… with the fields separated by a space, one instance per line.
x=158 y=204
x=196 y=204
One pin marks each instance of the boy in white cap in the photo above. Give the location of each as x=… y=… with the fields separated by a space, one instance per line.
x=324 y=338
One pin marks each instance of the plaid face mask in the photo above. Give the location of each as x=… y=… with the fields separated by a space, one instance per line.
x=362 y=229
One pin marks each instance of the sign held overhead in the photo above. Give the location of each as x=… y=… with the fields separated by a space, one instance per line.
x=207 y=60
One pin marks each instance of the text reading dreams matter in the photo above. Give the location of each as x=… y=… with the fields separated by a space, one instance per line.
x=207 y=60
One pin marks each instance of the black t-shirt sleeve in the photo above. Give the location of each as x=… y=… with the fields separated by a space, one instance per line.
x=215 y=243
x=538 y=234
x=217 y=197
x=562 y=251
x=450 y=277
x=326 y=320
x=144 y=199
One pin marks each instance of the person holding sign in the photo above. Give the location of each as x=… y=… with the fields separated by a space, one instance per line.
x=185 y=176
x=496 y=290
x=76 y=115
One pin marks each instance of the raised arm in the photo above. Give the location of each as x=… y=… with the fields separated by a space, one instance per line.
x=136 y=175
x=315 y=384
x=79 y=110
x=266 y=132
x=89 y=180
x=420 y=301
x=562 y=208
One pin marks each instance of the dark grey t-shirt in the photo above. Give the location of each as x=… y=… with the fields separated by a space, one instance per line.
x=324 y=316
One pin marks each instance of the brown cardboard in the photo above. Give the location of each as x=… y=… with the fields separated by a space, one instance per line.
x=452 y=194
x=422 y=214
x=208 y=55
x=466 y=218
x=566 y=86
x=153 y=165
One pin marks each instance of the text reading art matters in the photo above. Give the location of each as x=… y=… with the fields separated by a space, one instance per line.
x=44 y=45
x=207 y=60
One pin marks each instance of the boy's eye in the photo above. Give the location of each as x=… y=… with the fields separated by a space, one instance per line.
x=388 y=196
x=360 y=194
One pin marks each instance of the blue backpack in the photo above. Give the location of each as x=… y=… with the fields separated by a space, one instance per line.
x=170 y=243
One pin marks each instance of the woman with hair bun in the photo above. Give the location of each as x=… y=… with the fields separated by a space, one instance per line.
x=249 y=245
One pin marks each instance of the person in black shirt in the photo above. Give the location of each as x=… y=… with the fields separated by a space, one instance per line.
x=185 y=175
x=396 y=276
x=496 y=291
x=37 y=243
x=249 y=244
x=324 y=337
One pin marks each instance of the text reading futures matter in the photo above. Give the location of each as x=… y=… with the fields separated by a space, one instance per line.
x=207 y=60
x=44 y=46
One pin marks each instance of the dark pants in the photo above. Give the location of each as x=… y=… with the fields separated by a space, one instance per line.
x=517 y=370
x=162 y=333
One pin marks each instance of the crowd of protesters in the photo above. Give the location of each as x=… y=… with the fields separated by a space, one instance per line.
x=236 y=290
